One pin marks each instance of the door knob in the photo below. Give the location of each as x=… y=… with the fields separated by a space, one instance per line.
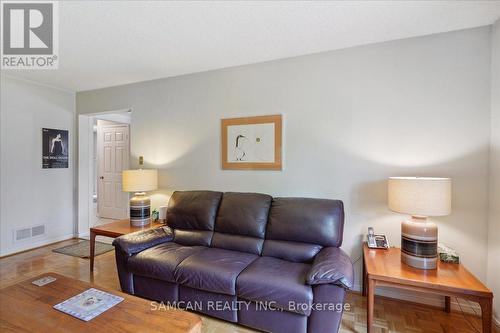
x=102 y=177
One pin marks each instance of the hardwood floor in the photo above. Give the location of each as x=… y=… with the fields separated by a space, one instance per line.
x=390 y=315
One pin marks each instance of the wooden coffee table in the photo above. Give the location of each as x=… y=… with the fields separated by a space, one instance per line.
x=384 y=268
x=25 y=307
x=113 y=230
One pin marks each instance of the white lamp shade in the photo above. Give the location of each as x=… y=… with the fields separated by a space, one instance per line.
x=139 y=180
x=420 y=196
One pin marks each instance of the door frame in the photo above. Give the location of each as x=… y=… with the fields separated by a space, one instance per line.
x=85 y=173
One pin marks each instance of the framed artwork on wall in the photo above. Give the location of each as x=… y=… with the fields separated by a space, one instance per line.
x=55 y=145
x=252 y=143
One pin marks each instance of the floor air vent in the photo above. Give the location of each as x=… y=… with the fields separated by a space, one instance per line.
x=38 y=230
x=26 y=233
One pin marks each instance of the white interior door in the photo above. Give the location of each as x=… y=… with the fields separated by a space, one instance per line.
x=112 y=157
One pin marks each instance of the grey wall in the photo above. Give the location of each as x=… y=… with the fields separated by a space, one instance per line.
x=352 y=118
x=494 y=230
x=31 y=195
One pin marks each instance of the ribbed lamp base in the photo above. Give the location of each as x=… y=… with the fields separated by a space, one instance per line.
x=419 y=240
x=140 y=210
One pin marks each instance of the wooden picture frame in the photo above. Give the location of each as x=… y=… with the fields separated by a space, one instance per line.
x=248 y=147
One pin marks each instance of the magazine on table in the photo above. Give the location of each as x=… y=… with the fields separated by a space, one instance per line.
x=89 y=304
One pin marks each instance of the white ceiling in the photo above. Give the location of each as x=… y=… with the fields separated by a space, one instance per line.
x=109 y=43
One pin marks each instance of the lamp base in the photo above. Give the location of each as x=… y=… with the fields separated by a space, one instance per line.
x=419 y=239
x=140 y=210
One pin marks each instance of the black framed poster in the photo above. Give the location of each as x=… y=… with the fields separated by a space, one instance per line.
x=54 y=148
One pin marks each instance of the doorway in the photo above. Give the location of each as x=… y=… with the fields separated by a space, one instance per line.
x=112 y=156
x=103 y=152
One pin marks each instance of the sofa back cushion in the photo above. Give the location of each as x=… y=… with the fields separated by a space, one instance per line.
x=192 y=216
x=299 y=227
x=241 y=222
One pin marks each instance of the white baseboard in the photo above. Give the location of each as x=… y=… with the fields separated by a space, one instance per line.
x=31 y=245
x=428 y=299
x=83 y=235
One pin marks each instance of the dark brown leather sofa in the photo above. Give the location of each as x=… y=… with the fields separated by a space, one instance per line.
x=271 y=264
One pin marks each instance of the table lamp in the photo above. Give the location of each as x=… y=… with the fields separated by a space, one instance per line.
x=419 y=197
x=139 y=181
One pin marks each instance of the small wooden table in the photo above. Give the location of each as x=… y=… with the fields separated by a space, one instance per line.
x=25 y=307
x=384 y=268
x=114 y=229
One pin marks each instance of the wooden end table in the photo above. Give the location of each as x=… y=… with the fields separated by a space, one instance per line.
x=383 y=268
x=25 y=307
x=113 y=230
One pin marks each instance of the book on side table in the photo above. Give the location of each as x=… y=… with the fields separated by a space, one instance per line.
x=89 y=304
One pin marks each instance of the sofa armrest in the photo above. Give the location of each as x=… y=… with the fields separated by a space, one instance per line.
x=138 y=241
x=331 y=265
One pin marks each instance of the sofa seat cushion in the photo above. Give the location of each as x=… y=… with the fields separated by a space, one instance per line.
x=278 y=282
x=159 y=262
x=213 y=270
